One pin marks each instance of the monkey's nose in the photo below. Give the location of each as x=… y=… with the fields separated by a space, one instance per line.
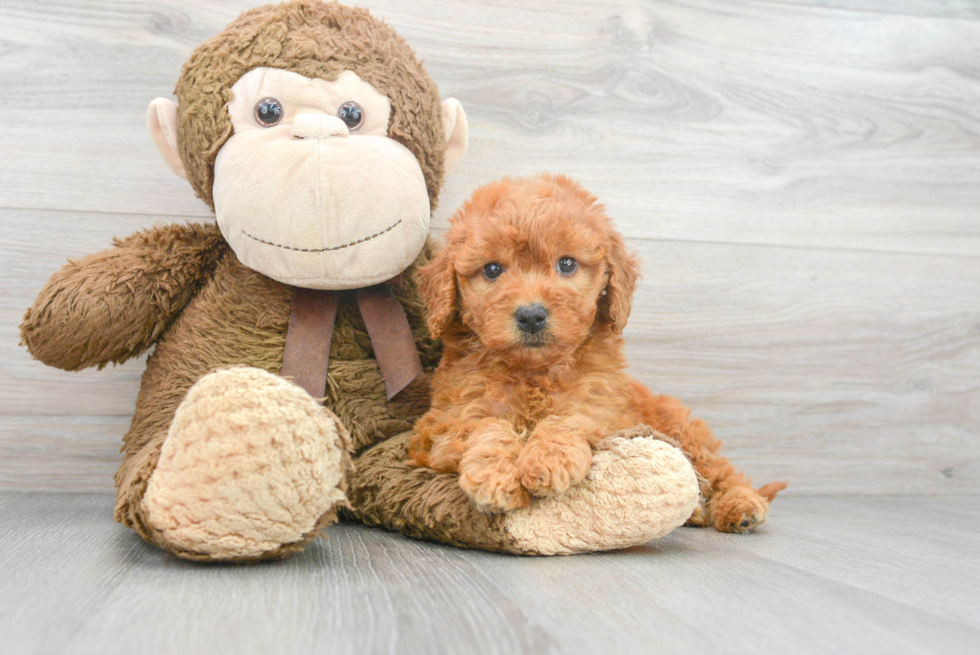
x=531 y=318
x=315 y=126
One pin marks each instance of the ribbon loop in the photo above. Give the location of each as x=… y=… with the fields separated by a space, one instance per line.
x=311 y=322
x=308 y=337
x=391 y=337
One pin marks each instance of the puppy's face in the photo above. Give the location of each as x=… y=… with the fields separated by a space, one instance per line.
x=532 y=267
x=530 y=288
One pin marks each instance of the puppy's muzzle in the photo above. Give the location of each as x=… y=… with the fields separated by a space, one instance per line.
x=531 y=319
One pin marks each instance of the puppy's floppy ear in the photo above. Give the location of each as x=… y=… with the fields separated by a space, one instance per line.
x=437 y=285
x=623 y=272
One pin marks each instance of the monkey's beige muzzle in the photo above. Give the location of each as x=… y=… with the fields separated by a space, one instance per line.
x=312 y=205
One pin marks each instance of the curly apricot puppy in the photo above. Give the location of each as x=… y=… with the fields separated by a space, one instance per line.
x=530 y=297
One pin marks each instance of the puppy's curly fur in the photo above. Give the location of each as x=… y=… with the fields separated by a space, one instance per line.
x=520 y=396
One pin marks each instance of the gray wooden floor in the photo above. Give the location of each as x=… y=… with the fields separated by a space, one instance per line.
x=825 y=575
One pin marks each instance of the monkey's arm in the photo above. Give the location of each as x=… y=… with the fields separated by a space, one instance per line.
x=113 y=305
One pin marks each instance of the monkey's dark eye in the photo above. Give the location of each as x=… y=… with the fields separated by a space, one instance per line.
x=567 y=265
x=268 y=112
x=492 y=270
x=351 y=113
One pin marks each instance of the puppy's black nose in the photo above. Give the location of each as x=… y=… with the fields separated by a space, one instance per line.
x=531 y=318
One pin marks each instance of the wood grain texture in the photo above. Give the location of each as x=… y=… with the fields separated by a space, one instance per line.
x=800 y=179
x=966 y=9
x=824 y=575
x=842 y=371
x=755 y=122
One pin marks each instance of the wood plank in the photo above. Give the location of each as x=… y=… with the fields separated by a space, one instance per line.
x=959 y=9
x=757 y=122
x=824 y=575
x=60 y=453
x=842 y=371
x=923 y=541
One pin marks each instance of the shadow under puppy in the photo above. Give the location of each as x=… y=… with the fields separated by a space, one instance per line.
x=530 y=297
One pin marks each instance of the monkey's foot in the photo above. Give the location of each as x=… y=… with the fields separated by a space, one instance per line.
x=252 y=468
x=639 y=488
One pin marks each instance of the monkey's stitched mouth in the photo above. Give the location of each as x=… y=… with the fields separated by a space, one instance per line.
x=330 y=249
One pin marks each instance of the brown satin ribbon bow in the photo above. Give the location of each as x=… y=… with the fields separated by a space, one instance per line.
x=311 y=328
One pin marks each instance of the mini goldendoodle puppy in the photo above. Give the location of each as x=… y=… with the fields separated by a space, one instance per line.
x=530 y=297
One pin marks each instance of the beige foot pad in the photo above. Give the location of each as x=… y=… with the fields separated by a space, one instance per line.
x=639 y=488
x=251 y=464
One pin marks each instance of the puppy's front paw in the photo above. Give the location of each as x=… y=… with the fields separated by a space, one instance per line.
x=493 y=486
x=549 y=468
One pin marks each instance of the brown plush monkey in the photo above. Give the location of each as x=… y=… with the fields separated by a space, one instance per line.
x=321 y=143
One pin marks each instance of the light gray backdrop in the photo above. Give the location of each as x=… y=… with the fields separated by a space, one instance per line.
x=802 y=182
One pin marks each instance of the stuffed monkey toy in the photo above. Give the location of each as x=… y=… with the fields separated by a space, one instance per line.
x=289 y=349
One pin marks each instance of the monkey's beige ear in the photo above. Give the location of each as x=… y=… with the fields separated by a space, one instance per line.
x=457 y=132
x=161 y=119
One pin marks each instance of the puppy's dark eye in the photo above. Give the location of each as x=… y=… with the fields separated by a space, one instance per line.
x=268 y=112
x=567 y=265
x=492 y=270
x=351 y=113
